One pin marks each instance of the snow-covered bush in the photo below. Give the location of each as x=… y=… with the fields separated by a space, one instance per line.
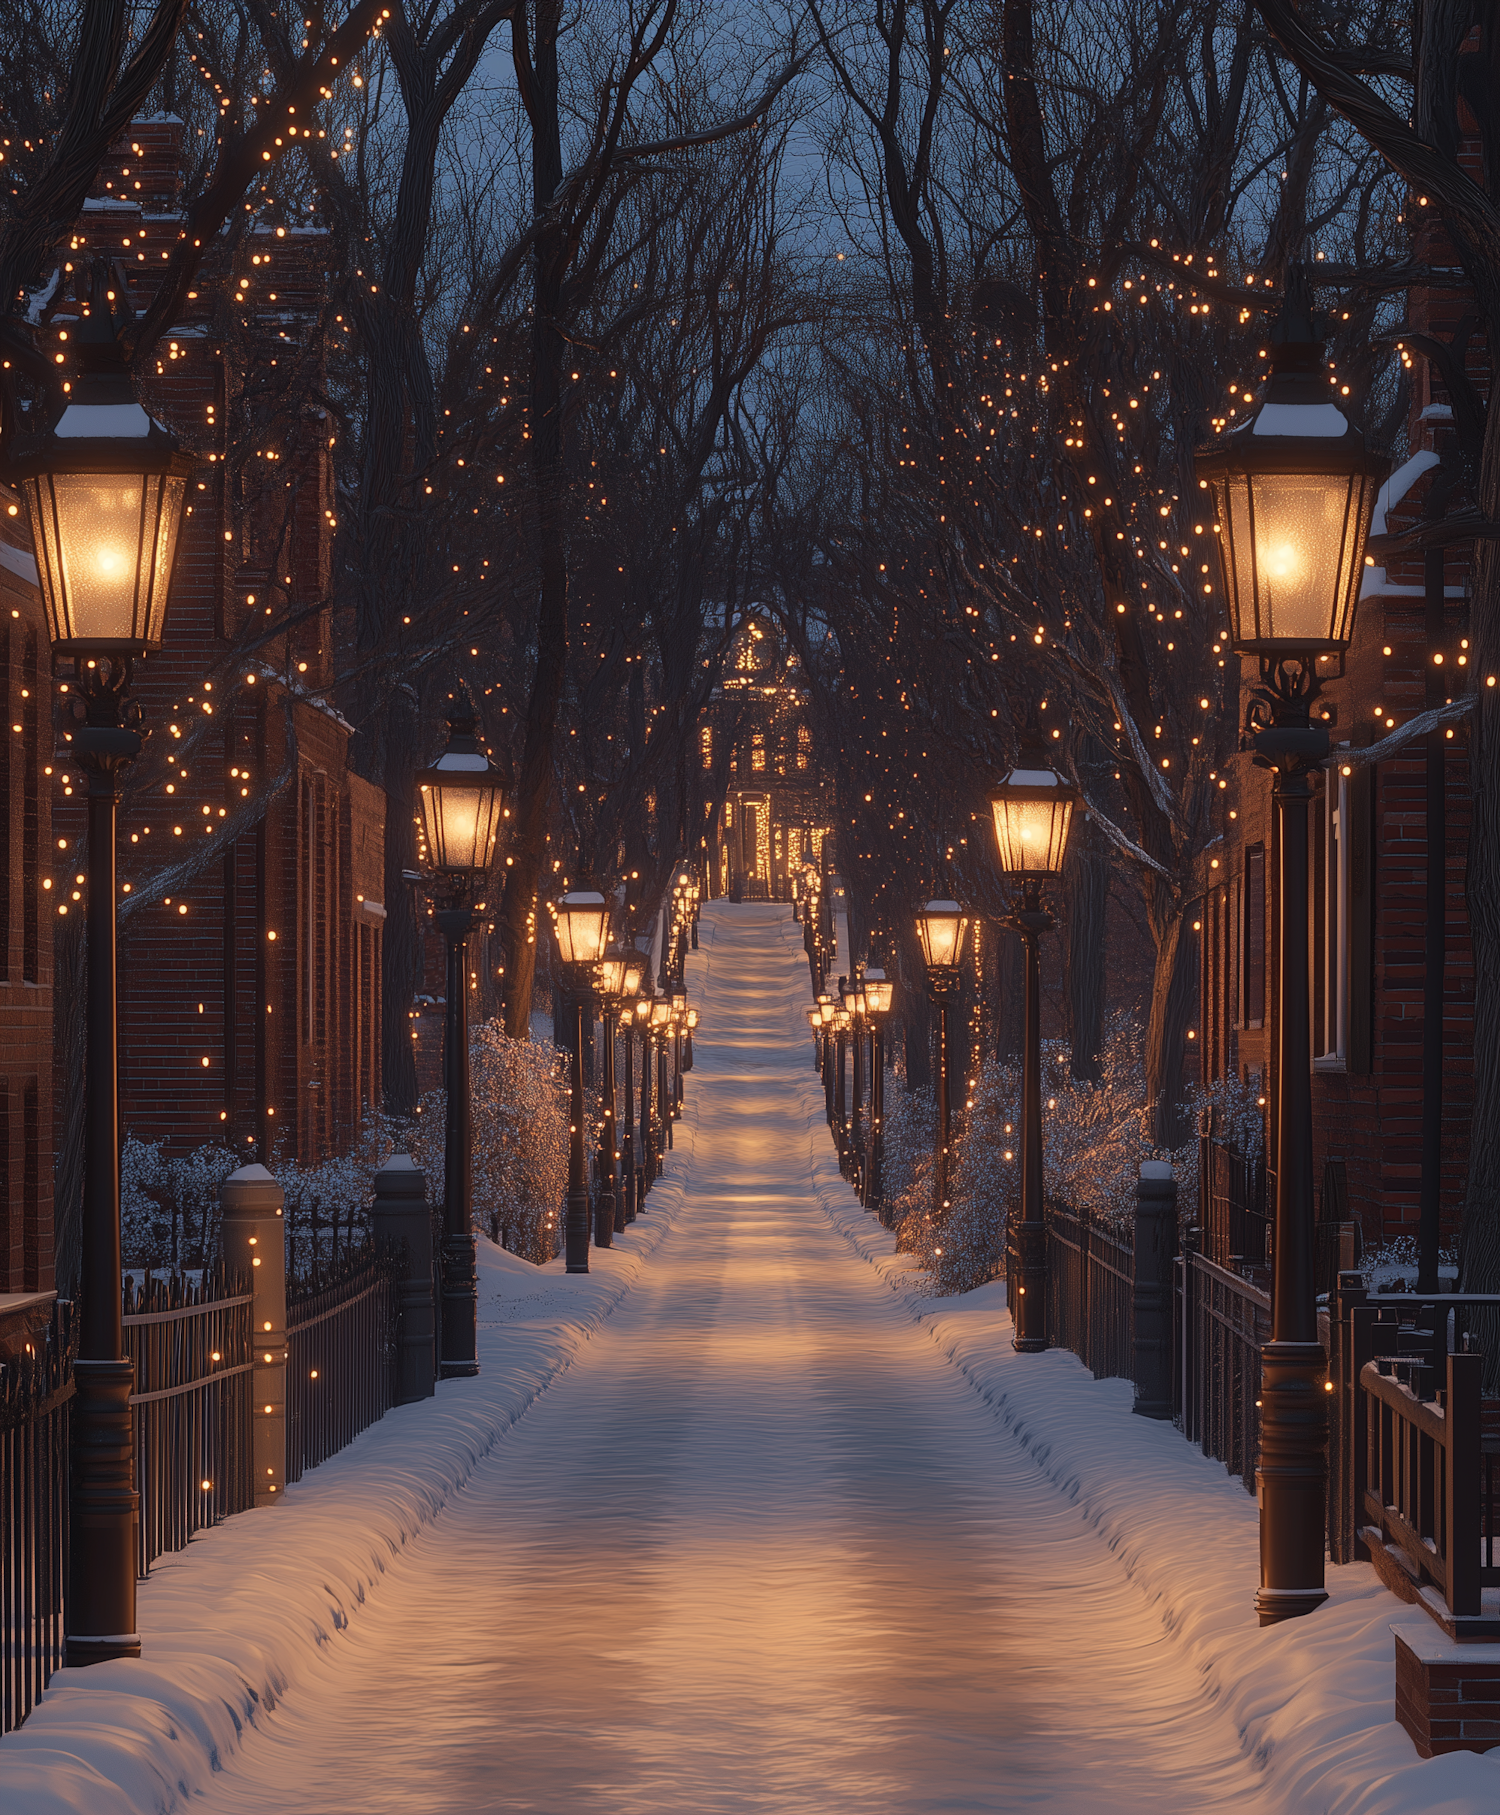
x=520 y=1141
x=1094 y=1138
x=169 y=1208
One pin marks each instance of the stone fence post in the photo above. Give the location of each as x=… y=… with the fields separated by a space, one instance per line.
x=254 y=1242
x=1155 y=1253
x=401 y=1216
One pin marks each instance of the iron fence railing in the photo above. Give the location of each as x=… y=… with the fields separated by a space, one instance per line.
x=1220 y=1322
x=341 y=1356
x=1233 y=1206
x=191 y=1345
x=1090 y=1288
x=36 y=1392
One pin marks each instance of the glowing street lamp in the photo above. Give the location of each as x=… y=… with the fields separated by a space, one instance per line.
x=580 y=924
x=104 y=490
x=462 y=800
x=878 y=994
x=462 y=797
x=619 y=973
x=1294 y=490
x=1033 y=813
x=941 y=929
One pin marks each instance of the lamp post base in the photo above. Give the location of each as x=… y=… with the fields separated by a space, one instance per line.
x=604 y=1220
x=1030 y=1317
x=460 y=1360
x=105 y=1508
x=576 y=1233
x=1292 y=1479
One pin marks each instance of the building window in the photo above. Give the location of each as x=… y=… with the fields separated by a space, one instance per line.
x=706 y=745
x=1253 y=966
x=804 y=746
x=758 y=751
x=1330 y=928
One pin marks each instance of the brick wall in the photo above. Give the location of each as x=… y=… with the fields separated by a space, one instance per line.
x=26 y=1253
x=250 y=981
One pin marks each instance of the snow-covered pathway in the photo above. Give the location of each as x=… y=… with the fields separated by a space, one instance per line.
x=760 y=1548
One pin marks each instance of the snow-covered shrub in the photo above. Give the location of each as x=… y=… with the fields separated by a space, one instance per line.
x=1094 y=1137
x=520 y=1141
x=169 y=1208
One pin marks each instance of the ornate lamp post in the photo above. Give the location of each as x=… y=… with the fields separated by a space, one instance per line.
x=462 y=798
x=658 y=1028
x=646 y=1167
x=1033 y=812
x=941 y=929
x=853 y=1000
x=104 y=493
x=581 y=923
x=879 y=991
x=1294 y=491
x=815 y=1022
x=842 y=1022
x=691 y=1020
x=826 y=1008
x=679 y=1028
x=619 y=977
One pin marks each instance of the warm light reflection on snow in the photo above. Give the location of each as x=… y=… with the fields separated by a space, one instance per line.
x=760 y=1549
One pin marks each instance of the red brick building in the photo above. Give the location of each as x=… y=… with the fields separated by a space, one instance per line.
x=251 y=856
x=25 y=933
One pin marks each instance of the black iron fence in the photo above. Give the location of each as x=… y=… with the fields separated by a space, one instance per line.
x=191 y=1345
x=341 y=1355
x=36 y=1392
x=1233 y=1206
x=1089 y=1290
x=1220 y=1321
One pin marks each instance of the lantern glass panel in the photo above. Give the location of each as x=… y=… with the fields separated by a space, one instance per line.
x=635 y=969
x=612 y=975
x=661 y=1013
x=582 y=927
x=462 y=803
x=941 y=927
x=1292 y=549
x=879 y=990
x=104 y=544
x=1033 y=816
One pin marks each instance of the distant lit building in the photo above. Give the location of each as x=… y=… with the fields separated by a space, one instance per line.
x=756 y=745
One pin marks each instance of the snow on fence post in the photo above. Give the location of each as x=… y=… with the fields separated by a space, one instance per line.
x=254 y=1242
x=1155 y=1258
x=402 y=1219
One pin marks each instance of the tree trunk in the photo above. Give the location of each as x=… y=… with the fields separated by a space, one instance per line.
x=1173 y=994
x=400 y=941
x=528 y=840
x=1086 y=890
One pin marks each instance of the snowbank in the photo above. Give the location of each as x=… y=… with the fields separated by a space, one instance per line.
x=229 y=1624
x=1312 y=1698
